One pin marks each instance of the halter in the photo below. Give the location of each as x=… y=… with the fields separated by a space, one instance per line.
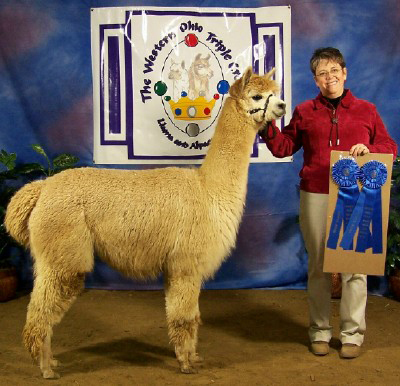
x=260 y=109
x=269 y=125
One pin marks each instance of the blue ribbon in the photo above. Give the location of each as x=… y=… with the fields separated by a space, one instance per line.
x=345 y=173
x=367 y=210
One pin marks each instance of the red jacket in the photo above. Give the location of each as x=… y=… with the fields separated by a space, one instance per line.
x=313 y=127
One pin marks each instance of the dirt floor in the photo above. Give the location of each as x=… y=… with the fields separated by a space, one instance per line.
x=248 y=337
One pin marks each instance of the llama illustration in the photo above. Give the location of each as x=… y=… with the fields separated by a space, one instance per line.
x=180 y=78
x=200 y=73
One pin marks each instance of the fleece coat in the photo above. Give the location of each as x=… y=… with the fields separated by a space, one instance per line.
x=181 y=222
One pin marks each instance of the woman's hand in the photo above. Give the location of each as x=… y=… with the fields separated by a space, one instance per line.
x=359 y=149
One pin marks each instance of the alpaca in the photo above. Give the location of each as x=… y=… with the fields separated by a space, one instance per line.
x=181 y=222
x=199 y=74
x=180 y=78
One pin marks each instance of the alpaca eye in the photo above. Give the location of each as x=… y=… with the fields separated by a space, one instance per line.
x=256 y=97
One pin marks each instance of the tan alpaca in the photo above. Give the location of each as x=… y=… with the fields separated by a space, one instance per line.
x=181 y=222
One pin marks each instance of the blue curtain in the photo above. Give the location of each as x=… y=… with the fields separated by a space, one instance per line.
x=46 y=98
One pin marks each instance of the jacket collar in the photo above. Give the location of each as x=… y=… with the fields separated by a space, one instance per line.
x=320 y=102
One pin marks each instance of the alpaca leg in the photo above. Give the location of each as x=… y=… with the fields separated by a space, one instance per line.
x=46 y=359
x=194 y=357
x=52 y=296
x=183 y=318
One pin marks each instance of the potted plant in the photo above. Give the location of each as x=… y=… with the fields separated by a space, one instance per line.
x=393 y=238
x=12 y=176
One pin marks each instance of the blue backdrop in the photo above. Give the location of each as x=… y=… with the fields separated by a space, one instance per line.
x=46 y=98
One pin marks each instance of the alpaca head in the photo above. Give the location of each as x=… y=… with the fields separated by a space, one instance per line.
x=256 y=96
x=176 y=70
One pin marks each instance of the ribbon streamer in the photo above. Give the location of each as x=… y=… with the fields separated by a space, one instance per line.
x=367 y=210
x=345 y=173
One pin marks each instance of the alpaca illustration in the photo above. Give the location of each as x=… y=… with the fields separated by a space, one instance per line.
x=200 y=73
x=180 y=78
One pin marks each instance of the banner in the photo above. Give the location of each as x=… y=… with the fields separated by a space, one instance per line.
x=160 y=77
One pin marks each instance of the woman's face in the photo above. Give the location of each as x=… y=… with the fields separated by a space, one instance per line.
x=329 y=78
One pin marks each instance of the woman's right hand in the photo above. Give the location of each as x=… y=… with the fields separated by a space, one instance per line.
x=359 y=149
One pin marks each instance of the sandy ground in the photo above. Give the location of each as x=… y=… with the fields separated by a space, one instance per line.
x=248 y=337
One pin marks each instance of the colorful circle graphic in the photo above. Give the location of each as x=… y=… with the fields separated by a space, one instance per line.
x=191 y=40
x=160 y=88
x=223 y=87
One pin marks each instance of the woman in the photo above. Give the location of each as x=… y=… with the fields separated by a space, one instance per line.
x=334 y=120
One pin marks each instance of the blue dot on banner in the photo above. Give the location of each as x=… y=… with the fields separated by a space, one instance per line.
x=178 y=111
x=223 y=86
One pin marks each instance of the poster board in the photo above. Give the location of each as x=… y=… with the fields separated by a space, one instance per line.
x=161 y=75
x=339 y=259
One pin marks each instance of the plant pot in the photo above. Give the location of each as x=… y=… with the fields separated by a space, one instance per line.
x=336 y=291
x=8 y=283
x=394 y=283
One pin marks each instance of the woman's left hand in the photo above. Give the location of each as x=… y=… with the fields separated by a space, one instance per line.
x=359 y=149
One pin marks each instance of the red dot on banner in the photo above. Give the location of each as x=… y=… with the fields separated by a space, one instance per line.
x=216 y=96
x=207 y=111
x=191 y=40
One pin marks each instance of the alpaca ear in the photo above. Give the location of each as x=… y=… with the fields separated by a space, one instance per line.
x=270 y=73
x=237 y=88
x=246 y=76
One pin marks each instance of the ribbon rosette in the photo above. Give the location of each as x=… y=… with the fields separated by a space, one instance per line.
x=345 y=173
x=368 y=209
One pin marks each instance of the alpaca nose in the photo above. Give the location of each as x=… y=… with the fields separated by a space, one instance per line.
x=282 y=105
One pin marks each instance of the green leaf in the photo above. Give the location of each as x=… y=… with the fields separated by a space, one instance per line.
x=30 y=168
x=8 y=175
x=64 y=161
x=8 y=159
x=39 y=150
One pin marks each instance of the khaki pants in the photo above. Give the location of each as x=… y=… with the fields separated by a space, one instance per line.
x=313 y=211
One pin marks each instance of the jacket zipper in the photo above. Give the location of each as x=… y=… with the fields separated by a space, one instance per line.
x=334 y=121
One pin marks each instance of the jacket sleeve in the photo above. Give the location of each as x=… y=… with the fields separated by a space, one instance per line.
x=285 y=143
x=381 y=142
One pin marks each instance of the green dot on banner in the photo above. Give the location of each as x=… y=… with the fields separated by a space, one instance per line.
x=160 y=88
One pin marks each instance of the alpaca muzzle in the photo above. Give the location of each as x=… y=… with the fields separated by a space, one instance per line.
x=253 y=111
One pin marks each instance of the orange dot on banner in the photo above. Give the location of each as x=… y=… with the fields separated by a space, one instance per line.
x=191 y=40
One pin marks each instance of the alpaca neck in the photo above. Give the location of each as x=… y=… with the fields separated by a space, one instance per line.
x=227 y=159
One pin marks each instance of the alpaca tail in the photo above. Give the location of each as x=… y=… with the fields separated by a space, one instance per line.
x=19 y=210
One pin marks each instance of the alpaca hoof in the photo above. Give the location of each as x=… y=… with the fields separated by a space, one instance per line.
x=55 y=363
x=188 y=370
x=196 y=359
x=50 y=374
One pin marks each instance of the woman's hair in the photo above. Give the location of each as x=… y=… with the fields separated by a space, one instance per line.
x=328 y=53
